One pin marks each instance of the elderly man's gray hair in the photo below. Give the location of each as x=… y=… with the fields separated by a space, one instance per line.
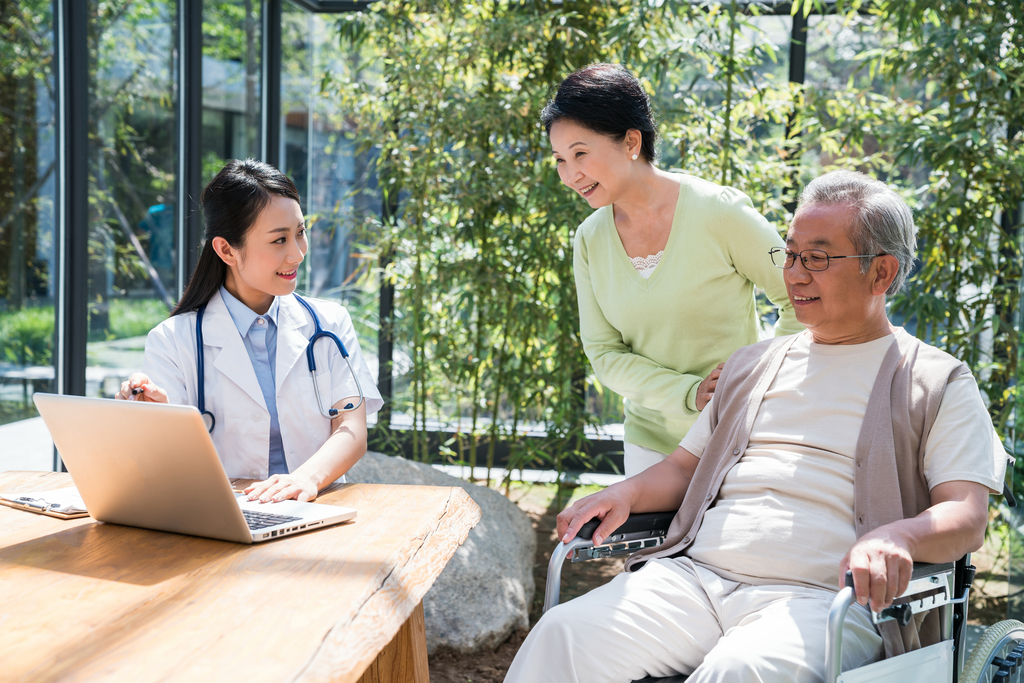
x=883 y=224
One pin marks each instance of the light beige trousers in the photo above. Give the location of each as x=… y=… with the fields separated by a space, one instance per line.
x=673 y=616
x=636 y=459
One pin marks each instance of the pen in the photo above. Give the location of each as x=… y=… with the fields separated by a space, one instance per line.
x=30 y=502
x=137 y=390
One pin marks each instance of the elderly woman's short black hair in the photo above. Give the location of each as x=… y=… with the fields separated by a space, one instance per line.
x=607 y=99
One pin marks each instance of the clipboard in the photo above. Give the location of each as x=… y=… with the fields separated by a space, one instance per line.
x=60 y=503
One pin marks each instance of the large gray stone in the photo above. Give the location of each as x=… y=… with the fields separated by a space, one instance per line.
x=484 y=593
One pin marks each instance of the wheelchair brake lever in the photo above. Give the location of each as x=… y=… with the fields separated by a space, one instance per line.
x=902 y=614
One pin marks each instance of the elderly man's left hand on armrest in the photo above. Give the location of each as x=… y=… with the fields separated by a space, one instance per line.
x=882 y=560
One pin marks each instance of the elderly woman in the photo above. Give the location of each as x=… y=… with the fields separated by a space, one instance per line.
x=665 y=267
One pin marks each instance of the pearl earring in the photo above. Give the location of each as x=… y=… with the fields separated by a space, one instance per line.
x=634 y=157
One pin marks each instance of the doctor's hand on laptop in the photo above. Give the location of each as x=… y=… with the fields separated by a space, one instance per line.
x=282 y=487
x=139 y=388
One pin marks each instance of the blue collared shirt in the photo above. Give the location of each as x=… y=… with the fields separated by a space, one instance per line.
x=259 y=334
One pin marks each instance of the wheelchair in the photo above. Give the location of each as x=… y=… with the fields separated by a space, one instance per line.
x=998 y=657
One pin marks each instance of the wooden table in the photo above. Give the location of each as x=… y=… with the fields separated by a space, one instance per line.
x=85 y=601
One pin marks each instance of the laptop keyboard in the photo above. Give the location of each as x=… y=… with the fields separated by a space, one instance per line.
x=261 y=520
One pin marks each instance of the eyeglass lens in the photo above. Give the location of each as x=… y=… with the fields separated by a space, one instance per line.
x=813 y=259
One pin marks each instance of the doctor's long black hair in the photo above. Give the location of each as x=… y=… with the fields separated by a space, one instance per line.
x=231 y=203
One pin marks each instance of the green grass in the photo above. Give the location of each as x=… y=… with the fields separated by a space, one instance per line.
x=135 y=317
x=26 y=336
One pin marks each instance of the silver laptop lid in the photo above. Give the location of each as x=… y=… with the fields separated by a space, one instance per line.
x=149 y=465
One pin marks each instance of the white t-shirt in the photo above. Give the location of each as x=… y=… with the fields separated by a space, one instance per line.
x=784 y=513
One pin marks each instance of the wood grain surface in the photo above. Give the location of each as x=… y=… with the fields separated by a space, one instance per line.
x=402 y=659
x=86 y=601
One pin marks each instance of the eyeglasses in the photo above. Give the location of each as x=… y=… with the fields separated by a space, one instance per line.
x=813 y=259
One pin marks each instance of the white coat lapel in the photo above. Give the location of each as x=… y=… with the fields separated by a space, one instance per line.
x=294 y=329
x=232 y=360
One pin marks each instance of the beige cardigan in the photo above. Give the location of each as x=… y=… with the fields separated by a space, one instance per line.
x=889 y=482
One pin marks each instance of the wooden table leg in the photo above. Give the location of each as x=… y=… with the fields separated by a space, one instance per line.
x=404 y=659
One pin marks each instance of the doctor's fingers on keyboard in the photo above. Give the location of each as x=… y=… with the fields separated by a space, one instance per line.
x=282 y=487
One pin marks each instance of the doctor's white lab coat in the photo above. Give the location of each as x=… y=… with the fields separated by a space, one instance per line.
x=233 y=394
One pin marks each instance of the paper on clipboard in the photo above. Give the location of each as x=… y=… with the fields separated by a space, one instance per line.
x=65 y=503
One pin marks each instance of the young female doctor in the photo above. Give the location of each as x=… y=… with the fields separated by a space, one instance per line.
x=236 y=346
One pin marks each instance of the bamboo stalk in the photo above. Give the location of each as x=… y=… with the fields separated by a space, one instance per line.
x=730 y=71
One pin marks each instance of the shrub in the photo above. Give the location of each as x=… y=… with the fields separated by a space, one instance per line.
x=135 y=317
x=26 y=336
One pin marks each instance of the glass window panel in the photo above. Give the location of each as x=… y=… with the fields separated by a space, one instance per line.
x=132 y=165
x=296 y=91
x=342 y=194
x=772 y=33
x=232 y=83
x=27 y=229
x=833 y=44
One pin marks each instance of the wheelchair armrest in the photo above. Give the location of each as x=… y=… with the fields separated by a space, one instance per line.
x=923 y=569
x=931 y=586
x=925 y=591
x=657 y=523
x=642 y=530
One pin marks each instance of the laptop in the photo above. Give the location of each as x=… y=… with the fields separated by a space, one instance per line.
x=154 y=466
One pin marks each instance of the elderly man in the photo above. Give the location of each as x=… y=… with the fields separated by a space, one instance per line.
x=849 y=446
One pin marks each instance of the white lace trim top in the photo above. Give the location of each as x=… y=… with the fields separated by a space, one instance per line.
x=645 y=265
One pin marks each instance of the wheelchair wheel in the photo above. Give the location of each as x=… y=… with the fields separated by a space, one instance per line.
x=997 y=641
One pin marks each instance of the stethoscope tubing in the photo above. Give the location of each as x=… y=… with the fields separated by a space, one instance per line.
x=208 y=418
x=318 y=333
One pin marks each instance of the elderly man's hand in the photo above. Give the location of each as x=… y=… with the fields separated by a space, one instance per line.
x=611 y=505
x=881 y=564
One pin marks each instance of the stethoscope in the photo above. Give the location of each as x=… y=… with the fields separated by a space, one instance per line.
x=318 y=333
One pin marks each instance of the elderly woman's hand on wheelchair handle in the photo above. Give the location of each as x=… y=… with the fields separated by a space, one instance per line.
x=611 y=506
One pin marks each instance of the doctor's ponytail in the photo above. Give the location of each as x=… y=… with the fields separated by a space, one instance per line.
x=231 y=203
